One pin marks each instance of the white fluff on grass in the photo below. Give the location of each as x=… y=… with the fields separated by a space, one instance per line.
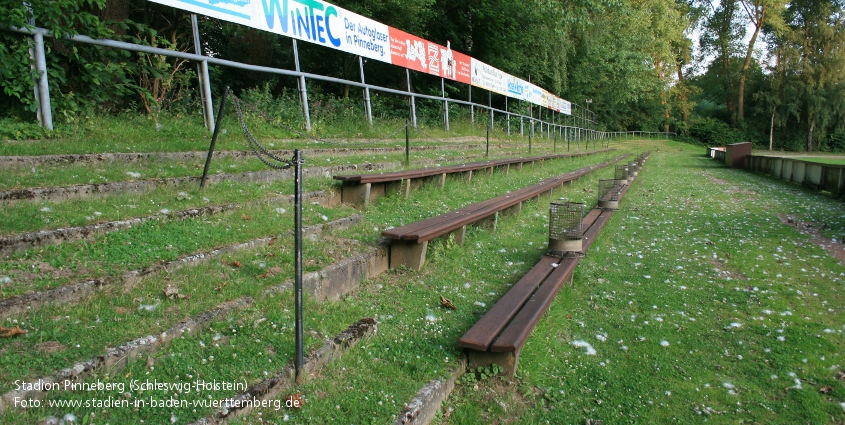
x=584 y=344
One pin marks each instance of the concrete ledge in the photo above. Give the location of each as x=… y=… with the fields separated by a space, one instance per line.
x=425 y=404
x=115 y=359
x=273 y=387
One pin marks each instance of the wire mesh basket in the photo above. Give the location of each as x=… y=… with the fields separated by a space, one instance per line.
x=621 y=172
x=565 y=220
x=609 y=191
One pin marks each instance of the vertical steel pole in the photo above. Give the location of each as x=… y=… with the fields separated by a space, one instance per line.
x=297 y=225
x=490 y=105
x=407 y=144
x=36 y=95
x=202 y=73
x=508 y=115
x=413 y=105
x=445 y=104
x=43 y=87
x=471 y=105
x=367 y=106
x=303 y=89
x=487 y=150
x=214 y=138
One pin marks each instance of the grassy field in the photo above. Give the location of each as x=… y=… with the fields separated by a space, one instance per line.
x=700 y=303
x=703 y=299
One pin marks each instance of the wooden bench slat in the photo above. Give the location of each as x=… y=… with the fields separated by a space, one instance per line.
x=442 y=224
x=518 y=330
x=472 y=166
x=482 y=334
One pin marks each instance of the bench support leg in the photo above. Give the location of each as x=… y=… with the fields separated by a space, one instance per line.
x=489 y=222
x=355 y=193
x=514 y=210
x=468 y=176
x=459 y=235
x=507 y=361
x=408 y=253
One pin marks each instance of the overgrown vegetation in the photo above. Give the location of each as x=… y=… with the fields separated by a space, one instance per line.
x=651 y=79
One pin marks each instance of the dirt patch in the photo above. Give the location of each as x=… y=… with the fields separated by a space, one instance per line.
x=731 y=188
x=50 y=347
x=814 y=232
x=725 y=272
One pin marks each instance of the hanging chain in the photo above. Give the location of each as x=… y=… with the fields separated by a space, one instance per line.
x=260 y=151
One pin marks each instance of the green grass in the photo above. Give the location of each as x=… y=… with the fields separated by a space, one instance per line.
x=130 y=133
x=685 y=297
x=822 y=160
x=120 y=319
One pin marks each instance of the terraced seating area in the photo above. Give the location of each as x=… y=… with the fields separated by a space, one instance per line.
x=117 y=265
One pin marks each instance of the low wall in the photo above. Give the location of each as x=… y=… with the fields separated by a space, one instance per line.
x=812 y=174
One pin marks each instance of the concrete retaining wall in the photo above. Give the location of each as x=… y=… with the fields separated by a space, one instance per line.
x=812 y=174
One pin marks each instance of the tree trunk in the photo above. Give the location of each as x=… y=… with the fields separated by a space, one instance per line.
x=810 y=141
x=682 y=84
x=744 y=71
x=771 y=131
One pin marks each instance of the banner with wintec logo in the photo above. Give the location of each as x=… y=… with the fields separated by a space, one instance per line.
x=331 y=26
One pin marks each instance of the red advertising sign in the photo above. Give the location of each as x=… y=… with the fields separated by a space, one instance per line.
x=421 y=55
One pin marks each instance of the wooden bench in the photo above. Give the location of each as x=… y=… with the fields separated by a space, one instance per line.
x=498 y=337
x=361 y=189
x=409 y=243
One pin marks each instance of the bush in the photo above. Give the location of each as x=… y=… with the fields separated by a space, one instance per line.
x=713 y=132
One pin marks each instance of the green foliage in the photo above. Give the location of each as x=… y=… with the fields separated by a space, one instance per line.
x=481 y=373
x=713 y=132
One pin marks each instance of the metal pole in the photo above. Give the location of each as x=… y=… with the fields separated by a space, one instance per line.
x=487 y=151
x=36 y=96
x=303 y=89
x=490 y=105
x=202 y=73
x=568 y=139
x=297 y=228
x=529 y=142
x=413 y=105
x=471 y=106
x=508 y=115
x=43 y=87
x=407 y=144
x=214 y=138
x=445 y=104
x=367 y=106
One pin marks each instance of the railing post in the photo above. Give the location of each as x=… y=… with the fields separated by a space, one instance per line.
x=508 y=115
x=471 y=105
x=413 y=104
x=303 y=90
x=407 y=144
x=41 y=82
x=445 y=104
x=487 y=150
x=202 y=74
x=367 y=107
x=214 y=138
x=297 y=227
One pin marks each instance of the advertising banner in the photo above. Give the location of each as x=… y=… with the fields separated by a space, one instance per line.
x=308 y=20
x=421 y=55
x=330 y=26
x=489 y=78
